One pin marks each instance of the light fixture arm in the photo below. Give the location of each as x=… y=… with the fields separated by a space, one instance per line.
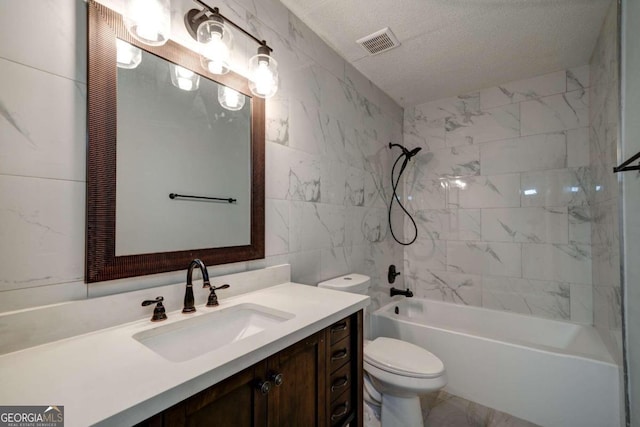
x=193 y=18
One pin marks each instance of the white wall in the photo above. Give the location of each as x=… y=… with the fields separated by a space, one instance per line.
x=499 y=193
x=327 y=164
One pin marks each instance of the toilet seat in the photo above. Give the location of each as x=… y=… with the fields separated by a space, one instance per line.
x=402 y=358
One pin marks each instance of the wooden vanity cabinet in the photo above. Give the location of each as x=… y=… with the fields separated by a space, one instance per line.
x=299 y=401
x=235 y=401
x=321 y=385
x=344 y=372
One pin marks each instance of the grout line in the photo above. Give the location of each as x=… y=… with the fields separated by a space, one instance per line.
x=44 y=71
x=42 y=177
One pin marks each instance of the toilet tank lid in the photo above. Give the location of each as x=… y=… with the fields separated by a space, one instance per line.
x=403 y=358
x=348 y=283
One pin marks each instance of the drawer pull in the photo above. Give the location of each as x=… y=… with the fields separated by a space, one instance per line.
x=340 y=411
x=277 y=378
x=341 y=354
x=339 y=327
x=339 y=383
x=263 y=386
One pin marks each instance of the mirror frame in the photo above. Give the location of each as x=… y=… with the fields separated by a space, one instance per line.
x=101 y=261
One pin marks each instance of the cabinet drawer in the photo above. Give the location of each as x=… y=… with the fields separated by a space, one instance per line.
x=339 y=354
x=340 y=330
x=339 y=382
x=340 y=409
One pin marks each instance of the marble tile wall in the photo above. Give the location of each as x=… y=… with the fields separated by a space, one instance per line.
x=604 y=195
x=500 y=196
x=327 y=163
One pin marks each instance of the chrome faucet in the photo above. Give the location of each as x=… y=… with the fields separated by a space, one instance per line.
x=188 y=295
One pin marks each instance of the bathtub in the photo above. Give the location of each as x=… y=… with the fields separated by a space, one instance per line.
x=551 y=373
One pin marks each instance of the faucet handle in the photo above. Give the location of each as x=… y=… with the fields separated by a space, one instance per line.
x=213 y=298
x=159 y=313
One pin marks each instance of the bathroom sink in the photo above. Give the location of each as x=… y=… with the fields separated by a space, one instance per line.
x=192 y=337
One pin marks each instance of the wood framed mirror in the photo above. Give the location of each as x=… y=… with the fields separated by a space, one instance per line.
x=165 y=233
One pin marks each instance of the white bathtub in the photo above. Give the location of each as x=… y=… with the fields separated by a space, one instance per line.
x=551 y=373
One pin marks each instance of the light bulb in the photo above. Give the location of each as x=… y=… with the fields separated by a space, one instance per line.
x=184 y=78
x=147 y=30
x=230 y=99
x=127 y=56
x=185 y=84
x=264 y=75
x=218 y=54
x=215 y=67
x=216 y=46
x=149 y=21
x=184 y=73
x=263 y=78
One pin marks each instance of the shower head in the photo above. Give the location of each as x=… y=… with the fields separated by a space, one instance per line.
x=406 y=152
x=414 y=152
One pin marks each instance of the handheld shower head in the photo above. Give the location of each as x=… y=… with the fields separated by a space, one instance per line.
x=414 y=152
x=405 y=156
x=406 y=152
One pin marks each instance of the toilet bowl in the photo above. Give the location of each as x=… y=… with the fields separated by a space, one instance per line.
x=396 y=372
x=400 y=372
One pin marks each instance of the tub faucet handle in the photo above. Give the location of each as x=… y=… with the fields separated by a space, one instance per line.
x=391 y=275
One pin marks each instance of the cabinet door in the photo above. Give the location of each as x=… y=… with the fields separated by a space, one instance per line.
x=235 y=401
x=300 y=399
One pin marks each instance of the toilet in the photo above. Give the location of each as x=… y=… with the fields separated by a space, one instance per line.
x=396 y=372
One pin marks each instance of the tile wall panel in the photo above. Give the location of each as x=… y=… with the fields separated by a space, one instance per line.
x=500 y=195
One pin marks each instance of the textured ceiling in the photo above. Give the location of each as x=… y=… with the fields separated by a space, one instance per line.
x=450 y=47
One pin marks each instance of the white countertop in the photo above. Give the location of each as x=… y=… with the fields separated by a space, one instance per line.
x=106 y=377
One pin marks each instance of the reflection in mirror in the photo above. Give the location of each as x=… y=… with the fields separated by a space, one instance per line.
x=175 y=137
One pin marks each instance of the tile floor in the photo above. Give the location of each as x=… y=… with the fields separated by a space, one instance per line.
x=441 y=409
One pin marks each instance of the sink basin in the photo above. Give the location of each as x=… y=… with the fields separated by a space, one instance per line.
x=189 y=338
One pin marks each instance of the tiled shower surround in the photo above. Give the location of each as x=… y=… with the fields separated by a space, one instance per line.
x=499 y=195
x=327 y=159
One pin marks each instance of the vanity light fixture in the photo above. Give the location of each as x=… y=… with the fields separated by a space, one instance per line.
x=210 y=28
x=127 y=56
x=183 y=78
x=263 y=73
x=230 y=99
x=216 y=42
x=148 y=21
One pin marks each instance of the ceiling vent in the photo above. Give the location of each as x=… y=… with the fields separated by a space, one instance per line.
x=378 y=42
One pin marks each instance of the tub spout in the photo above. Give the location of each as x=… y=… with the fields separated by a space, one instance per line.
x=407 y=293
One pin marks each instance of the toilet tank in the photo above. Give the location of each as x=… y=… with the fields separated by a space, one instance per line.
x=352 y=283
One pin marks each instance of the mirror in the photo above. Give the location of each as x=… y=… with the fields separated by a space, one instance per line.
x=172 y=174
x=171 y=140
